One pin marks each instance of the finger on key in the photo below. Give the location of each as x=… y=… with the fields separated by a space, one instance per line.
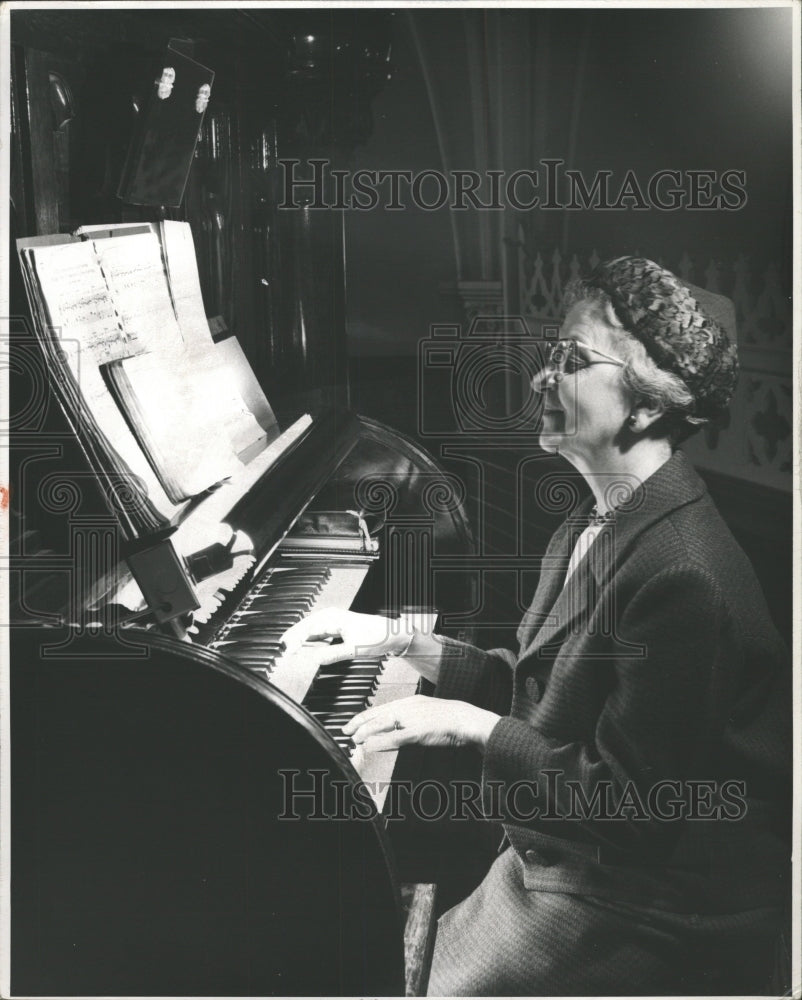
x=321 y=625
x=381 y=722
x=296 y=635
x=361 y=718
x=336 y=653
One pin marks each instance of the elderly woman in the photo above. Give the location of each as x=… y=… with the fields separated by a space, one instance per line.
x=637 y=746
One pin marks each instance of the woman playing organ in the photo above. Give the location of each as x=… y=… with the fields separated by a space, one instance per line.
x=687 y=691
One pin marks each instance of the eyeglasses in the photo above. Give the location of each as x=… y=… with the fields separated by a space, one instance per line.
x=563 y=358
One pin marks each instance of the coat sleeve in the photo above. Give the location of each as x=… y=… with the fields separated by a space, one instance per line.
x=652 y=722
x=483 y=678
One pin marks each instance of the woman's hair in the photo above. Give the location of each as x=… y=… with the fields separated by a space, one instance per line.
x=641 y=374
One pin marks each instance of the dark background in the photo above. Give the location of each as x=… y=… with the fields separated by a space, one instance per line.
x=644 y=90
x=334 y=305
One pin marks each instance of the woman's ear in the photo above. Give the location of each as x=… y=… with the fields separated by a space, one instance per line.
x=643 y=415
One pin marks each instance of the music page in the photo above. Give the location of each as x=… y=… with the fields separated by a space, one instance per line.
x=177 y=414
x=133 y=269
x=78 y=302
x=184 y=283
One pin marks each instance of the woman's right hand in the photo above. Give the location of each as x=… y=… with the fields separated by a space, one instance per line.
x=342 y=635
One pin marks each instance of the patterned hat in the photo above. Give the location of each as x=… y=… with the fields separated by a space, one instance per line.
x=660 y=311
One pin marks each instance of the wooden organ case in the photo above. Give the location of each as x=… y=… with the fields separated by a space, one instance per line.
x=153 y=848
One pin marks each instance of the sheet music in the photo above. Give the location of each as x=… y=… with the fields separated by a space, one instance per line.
x=106 y=414
x=76 y=314
x=247 y=385
x=166 y=407
x=133 y=268
x=184 y=283
x=179 y=415
x=217 y=384
x=216 y=507
x=78 y=302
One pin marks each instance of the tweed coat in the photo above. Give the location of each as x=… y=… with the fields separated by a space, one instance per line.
x=655 y=681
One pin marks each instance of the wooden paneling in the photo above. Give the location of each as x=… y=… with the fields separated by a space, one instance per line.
x=287 y=84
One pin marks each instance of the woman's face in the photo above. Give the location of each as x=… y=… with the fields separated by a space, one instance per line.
x=585 y=411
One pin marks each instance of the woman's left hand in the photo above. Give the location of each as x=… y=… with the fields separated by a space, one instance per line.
x=432 y=722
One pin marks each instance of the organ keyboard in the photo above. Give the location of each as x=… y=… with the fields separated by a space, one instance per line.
x=331 y=694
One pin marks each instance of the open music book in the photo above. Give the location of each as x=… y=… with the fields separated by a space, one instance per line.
x=159 y=408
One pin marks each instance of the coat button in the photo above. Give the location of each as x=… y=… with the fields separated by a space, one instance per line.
x=534 y=688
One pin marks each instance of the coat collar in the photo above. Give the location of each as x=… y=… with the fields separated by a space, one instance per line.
x=675 y=484
x=555 y=608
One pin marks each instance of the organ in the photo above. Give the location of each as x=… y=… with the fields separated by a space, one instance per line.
x=187 y=818
x=217 y=722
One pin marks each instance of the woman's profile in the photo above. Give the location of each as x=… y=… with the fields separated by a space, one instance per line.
x=643 y=724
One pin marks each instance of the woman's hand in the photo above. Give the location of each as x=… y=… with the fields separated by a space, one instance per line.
x=358 y=635
x=432 y=722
